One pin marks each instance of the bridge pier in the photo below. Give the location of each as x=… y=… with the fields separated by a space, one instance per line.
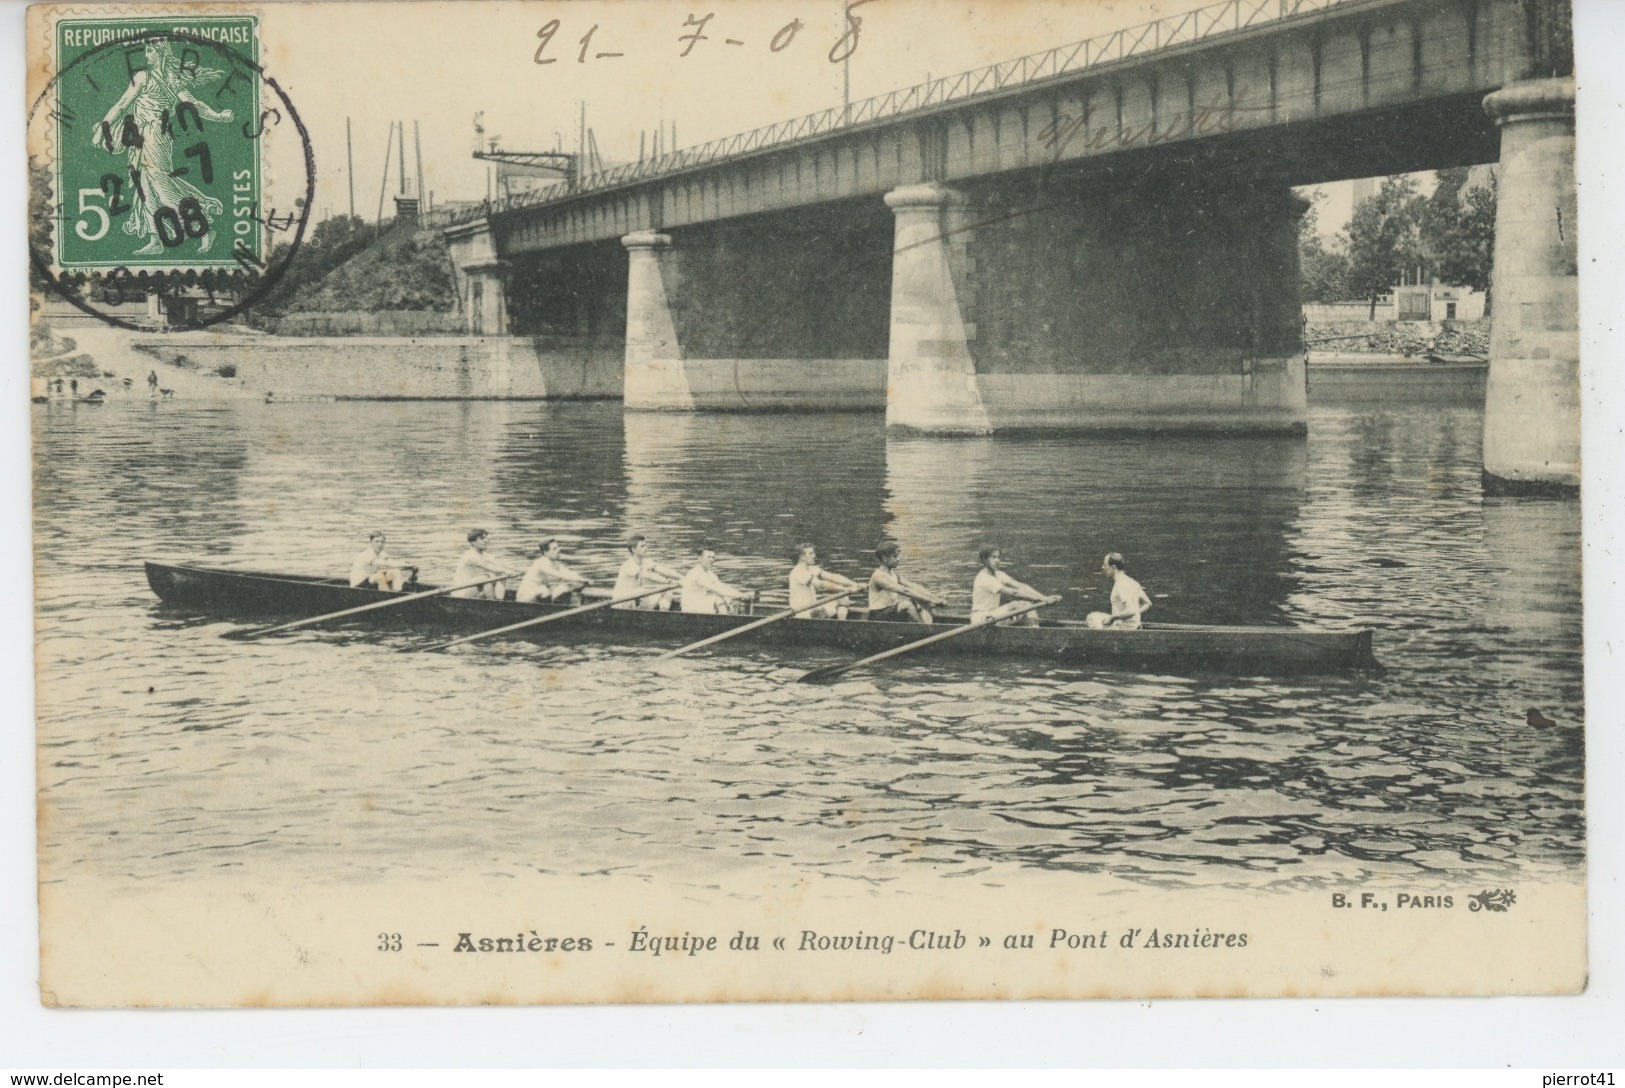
x=655 y=375
x=1164 y=305
x=480 y=276
x=1532 y=400
x=931 y=381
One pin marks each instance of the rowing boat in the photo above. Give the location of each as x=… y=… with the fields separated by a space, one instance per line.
x=1173 y=647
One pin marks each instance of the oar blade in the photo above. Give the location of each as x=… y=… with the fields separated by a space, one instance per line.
x=828 y=672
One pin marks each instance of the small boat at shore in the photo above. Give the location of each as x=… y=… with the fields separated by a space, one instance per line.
x=1163 y=647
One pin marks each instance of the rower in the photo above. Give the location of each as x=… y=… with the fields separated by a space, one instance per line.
x=1128 y=597
x=703 y=591
x=548 y=579
x=808 y=580
x=993 y=585
x=371 y=564
x=640 y=572
x=475 y=567
x=893 y=597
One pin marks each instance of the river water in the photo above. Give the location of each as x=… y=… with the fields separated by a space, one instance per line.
x=169 y=752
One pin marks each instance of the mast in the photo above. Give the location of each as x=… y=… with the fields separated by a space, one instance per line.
x=349 y=165
x=383 y=185
x=417 y=143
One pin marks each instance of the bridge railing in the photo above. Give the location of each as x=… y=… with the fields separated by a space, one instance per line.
x=1213 y=20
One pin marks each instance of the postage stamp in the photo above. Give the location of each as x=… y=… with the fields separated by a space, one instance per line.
x=158 y=162
x=152 y=152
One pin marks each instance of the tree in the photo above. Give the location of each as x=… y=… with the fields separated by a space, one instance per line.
x=1323 y=272
x=1385 y=238
x=1458 y=229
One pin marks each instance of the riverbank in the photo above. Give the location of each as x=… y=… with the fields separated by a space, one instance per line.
x=238 y=365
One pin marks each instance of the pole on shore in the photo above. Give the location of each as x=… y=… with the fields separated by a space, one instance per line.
x=383 y=186
x=403 y=156
x=349 y=164
x=417 y=143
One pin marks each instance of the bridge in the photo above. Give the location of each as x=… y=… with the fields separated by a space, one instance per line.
x=1098 y=236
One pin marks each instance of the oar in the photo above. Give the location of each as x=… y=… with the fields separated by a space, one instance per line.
x=538 y=621
x=763 y=622
x=408 y=599
x=829 y=672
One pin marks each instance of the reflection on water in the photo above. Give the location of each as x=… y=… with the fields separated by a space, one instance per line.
x=1203 y=523
x=166 y=750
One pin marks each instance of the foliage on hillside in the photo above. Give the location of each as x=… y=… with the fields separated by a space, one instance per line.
x=346 y=265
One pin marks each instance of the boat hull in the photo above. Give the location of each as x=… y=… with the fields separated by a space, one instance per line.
x=1259 y=650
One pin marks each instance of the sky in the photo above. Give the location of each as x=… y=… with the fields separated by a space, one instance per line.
x=438 y=64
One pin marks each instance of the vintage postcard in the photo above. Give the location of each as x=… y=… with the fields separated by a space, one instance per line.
x=804 y=500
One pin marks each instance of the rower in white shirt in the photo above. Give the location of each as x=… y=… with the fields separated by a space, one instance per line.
x=808 y=581
x=1128 y=597
x=894 y=598
x=548 y=579
x=640 y=572
x=992 y=586
x=475 y=566
x=373 y=565
x=703 y=591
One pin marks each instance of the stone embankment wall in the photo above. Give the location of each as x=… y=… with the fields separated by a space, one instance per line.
x=427 y=368
x=372 y=323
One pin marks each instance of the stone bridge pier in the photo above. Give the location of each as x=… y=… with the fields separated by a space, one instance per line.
x=1532 y=400
x=1166 y=306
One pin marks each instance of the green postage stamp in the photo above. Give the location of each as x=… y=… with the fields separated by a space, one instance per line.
x=159 y=158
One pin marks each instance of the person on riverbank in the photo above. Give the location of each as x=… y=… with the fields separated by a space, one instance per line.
x=548 y=579
x=641 y=572
x=1128 y=597
x=703 y=591
x=895 y=598
x=373 y=564
x=152 y=384
x=991 y=588
x=808 y=580
x=475 y=566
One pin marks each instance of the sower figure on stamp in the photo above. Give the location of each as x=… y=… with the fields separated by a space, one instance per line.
x=157 y=97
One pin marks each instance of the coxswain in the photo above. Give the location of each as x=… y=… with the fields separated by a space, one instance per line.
x=1128 y=597
x=893 y=597
x=992 y=586
x=373 y=565
x=474 y=566
x=640 y=572
x=703 y=591
x=548 y=579
x=808 y=581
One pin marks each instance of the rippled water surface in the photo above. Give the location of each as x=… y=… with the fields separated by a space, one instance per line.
x=166 y=750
